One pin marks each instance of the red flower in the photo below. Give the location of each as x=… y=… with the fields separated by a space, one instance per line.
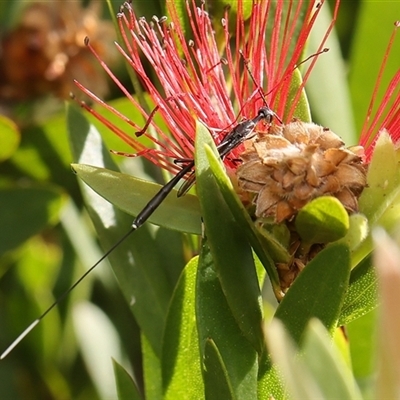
x=201 y=81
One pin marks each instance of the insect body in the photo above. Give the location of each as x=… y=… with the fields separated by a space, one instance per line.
x=241 y=132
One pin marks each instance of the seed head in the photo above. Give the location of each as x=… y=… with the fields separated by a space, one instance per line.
x=293 y=164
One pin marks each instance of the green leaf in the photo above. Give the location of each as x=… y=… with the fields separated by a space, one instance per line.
x=317 y=351
x=131 y=195
x=231 y=253
x=383 y=165
x=362 y=294
x=296 y=378
x=152 y=378
x=257 y=241
x=26 y=211
x=322 y=220
x=217 y=322
x=270 y=382
x=302 y=374
x=365 y=63
x=362 y=337
x=9 y=138
x=171 y=245
x=380 y=200
x=126 y=387
x=341 y=343
x=216 y=380
x=329 y=95
x=181 y=367
x=275 y=240
x=139 y=270
x=302 y=110
x=318 y=291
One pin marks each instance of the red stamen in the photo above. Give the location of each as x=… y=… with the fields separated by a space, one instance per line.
x=201 y=86
x=387 y=116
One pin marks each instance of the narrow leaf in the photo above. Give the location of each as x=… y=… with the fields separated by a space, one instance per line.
x=302 y=110
x=362 y=294
x=131 y=195
x=318 y=291
x=216 y=380
x=362 y=338
x=231 y=253
x=365 y=63
x=296 y=377
x=318 y=351
x=216 y=322
x=242 y=217
x=302 y=373
x=152 y=378
x=126 y=387
x=180 y=361
x=383 y=164
x=330 y=95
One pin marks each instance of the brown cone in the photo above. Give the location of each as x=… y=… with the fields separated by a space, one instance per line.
x=297 y=163
x=291 y=165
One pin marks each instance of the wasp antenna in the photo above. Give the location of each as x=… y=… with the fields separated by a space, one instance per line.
x=246 y=62
x=324 y=50
x=65 y=294
x=11 y=347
